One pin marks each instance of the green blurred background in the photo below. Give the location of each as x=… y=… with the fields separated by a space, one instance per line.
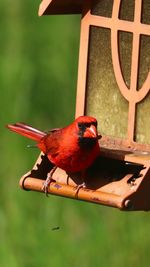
x=38 y=74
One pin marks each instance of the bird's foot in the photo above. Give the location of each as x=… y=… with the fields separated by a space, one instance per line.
x=83 y=185
x=46 y=185
x=79 y=186
x=48 y=180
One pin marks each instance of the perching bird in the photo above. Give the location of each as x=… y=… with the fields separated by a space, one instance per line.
x=73 y=148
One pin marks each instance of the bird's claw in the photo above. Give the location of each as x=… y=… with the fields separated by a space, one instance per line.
x=79 y=186
x=83 y=185
x=48 y=181
x=46 y=184
x=45 y=187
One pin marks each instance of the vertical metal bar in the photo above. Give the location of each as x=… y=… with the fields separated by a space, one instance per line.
x=83 y=59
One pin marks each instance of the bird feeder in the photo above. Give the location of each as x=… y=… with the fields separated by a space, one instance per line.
x=113 y=86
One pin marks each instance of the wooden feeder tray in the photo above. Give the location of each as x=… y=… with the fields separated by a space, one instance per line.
x=117 y=178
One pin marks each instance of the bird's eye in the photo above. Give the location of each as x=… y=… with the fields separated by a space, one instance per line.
x=84 y=125
x=87 y=124
x=80 y=125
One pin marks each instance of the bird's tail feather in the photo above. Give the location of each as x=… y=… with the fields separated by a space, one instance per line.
x=27 y=131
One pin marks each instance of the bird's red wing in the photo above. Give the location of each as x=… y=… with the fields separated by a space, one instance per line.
x=51 y=142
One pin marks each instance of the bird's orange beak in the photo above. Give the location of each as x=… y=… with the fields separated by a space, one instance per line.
x=91 y=132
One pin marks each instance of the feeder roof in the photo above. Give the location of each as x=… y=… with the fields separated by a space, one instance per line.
x=48 y=7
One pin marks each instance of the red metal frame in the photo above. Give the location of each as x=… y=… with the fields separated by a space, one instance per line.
x=132 y=95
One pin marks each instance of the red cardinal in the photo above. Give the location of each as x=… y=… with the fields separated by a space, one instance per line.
x=73 y=148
